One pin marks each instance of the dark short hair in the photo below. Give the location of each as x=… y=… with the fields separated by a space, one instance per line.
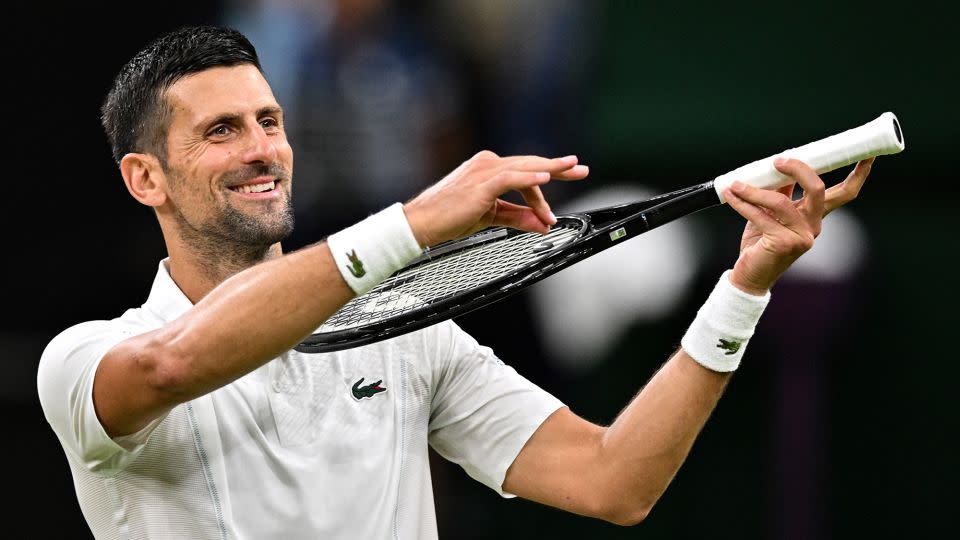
x=135 y=114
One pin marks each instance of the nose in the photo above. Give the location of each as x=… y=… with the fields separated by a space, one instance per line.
x=259 y=147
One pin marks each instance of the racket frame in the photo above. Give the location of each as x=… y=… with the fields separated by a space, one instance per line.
x=599 y=229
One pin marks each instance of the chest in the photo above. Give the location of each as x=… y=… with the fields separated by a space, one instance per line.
x=351 y=402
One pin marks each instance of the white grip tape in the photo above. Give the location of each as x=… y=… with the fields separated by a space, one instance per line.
x=718 y=336
x=368 y=252
x=879 y=137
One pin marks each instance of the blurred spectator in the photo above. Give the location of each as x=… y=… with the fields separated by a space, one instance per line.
x=530 y=58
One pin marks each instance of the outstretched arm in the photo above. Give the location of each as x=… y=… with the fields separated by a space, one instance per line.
x=265 y=310
x=618 y=472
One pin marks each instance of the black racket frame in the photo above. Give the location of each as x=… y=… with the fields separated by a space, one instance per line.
x=595 y=236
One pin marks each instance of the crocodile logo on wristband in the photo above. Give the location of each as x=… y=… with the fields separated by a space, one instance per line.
x=356 y=265
x=731 y=347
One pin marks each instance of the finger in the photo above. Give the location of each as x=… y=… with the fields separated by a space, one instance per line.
x=781 y=208
x=517 y=216
x=508 y=180
x=485 y=154
x=848 y=190
x=577 y=172
x=537 y=163
x=788 y=190
x=763 y=221
x=813 y=188
x=535 y=200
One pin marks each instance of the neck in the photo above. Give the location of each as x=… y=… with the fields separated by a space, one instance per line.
x=197 y=267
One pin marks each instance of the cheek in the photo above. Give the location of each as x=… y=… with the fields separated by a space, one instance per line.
x=193 y=188
x=186 y=197
x=207 y=174
x=285 y=153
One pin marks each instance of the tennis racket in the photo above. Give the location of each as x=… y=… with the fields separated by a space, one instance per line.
x=457 y=277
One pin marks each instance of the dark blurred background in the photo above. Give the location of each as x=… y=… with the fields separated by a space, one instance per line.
x=841 y=421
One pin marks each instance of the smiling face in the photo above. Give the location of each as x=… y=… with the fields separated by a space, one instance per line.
x=228 y=164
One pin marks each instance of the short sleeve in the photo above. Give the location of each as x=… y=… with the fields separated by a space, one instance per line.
x=483 y=411
x=65 y=387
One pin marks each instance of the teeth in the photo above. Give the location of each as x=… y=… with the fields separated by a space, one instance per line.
x=255 y=188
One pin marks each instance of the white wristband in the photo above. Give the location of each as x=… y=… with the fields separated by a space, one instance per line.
x=719 y=334
x=368 y=252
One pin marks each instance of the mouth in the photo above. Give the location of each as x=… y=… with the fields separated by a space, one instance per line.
x=258 y=189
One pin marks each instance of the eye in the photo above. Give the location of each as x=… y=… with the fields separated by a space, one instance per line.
x=269 y=123
x=221 y=130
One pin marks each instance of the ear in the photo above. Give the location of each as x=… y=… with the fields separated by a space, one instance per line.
x=144 y=178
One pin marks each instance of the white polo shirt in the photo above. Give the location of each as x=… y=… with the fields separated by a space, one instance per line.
x=307 y=446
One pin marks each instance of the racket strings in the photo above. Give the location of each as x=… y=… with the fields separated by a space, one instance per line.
x=446 y=276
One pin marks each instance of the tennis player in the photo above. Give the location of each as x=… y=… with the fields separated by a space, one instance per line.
x=192 y=417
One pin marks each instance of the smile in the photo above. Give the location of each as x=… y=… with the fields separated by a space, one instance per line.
x=255 y=188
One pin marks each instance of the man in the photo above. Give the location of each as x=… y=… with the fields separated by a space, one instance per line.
x=191 y=417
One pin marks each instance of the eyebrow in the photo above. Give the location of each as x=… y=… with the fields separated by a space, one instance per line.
x=234 y=118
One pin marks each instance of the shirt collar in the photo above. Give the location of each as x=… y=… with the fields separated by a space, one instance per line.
x=166 y=299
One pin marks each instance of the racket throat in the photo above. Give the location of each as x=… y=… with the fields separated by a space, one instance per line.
x=701 y=198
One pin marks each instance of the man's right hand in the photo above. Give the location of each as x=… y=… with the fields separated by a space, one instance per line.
x=468 y=199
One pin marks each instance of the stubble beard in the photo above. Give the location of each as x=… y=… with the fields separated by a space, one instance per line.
x=231 y=241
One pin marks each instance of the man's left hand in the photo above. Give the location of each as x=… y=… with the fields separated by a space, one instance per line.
x=780 y=229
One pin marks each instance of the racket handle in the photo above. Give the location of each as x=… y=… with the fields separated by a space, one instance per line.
x=879 y=137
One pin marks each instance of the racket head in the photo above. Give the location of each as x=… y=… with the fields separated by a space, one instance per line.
x=449 y=280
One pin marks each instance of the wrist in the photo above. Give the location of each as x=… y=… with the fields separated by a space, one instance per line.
x=368 y=252
x=754 y=291
x=417 y=226
x=755 y=287
x=718 y=336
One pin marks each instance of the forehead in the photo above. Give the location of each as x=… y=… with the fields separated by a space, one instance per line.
x=216 y=91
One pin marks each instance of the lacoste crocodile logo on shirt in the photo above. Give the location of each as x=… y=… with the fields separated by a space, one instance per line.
x=367 y=391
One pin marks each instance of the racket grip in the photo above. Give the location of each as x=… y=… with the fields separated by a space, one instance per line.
x=876 y=138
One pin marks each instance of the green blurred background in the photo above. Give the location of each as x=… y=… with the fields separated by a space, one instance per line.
x=840 y=423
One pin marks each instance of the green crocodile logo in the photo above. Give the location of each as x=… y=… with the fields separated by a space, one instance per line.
x=730 y=346
x=356 y=265
x=367 y=391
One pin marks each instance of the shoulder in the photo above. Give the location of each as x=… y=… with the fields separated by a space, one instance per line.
x=65 y=379
x=440 y=341
x=76 y=351
x=89 y=333
x=75 y=337
x=454 y=351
